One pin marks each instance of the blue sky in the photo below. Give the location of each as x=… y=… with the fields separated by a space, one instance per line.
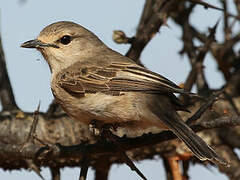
x=30 y=75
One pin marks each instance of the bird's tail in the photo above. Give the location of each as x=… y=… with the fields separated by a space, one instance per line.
x=200 y=149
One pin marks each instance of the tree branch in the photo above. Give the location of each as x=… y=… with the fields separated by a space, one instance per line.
x=154 y=15
x=6 y=93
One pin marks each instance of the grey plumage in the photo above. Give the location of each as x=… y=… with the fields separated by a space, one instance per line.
x=91 y=81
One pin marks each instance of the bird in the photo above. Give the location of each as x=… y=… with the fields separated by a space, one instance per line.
x=93 y=82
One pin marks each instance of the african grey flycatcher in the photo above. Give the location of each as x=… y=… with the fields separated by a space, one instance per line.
x=91 y=81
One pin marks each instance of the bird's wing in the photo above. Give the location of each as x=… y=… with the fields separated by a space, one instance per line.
x=115 y=78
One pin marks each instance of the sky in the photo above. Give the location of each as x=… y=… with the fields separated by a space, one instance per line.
x=22 y=20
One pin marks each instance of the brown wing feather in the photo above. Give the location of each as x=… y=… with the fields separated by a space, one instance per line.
x=116 y=77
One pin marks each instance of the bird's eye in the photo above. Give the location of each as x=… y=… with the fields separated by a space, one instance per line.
x=65 y=39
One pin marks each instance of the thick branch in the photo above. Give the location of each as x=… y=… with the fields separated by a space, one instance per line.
x=101 y=147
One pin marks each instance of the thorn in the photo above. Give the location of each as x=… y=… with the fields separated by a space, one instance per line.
x=32 y=166
x=213 y=29
x=205 y=5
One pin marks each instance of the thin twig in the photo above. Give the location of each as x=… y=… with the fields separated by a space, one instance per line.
x=108 y=134
x=230 y=100
x=204 y=107
x=130 y=164
x=34 y=124
x=202 y=85
x=55 y=173
x=185 y=166
x=175 y=168
x=217 y=123
x=154 y=16
x=31 y=134
x=169 y=175
x=84 y=168
x=40 y=141
x=206 y=5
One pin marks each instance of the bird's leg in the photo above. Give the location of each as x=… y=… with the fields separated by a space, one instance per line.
x=99 y=129
x=95 y=127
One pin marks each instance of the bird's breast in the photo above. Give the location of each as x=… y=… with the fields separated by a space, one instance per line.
x=129 y=110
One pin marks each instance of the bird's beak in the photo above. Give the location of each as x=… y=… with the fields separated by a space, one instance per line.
x=37 y=44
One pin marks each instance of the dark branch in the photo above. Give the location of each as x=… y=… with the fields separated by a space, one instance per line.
x=103 y=147
x=102 y=169
x=84 y=170
x=204 y=107
x=6 y=94
x=55 y=173
x=206 y=5
x=154 y=15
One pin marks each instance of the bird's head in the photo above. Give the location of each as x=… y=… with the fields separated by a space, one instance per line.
x=65 y=43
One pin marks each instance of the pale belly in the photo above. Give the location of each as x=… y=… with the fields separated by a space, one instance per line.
x=128 y=110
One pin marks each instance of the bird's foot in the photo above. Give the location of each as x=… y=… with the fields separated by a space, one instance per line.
x=99 y=129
